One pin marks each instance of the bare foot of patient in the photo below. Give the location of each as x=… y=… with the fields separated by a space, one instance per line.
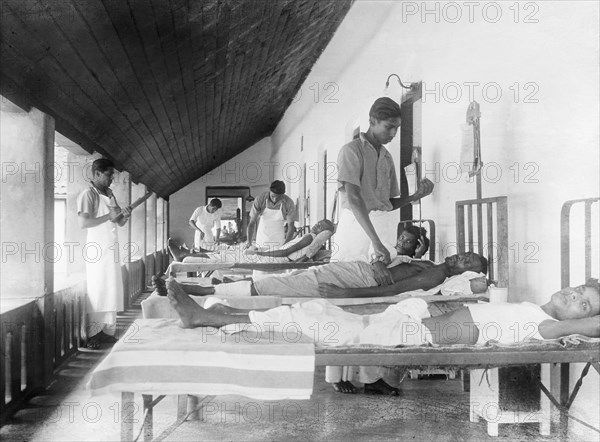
x=190 y=313
x=159 y=285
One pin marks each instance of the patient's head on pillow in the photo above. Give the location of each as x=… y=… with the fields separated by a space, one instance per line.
x=576 y=302
x=462 y=262
x=323 y=225
x=408 y=241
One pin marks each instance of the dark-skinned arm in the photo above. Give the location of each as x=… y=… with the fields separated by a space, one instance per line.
x=282 y=253
x=291 y=228
x=557 y=329
x=252 y=227
x=116 y=209
x=424 y=188
x=425 y=280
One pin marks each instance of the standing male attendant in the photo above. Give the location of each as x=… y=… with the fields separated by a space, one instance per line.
x=203 y=220
x=369 y=194
x=99 y=213
x=272 y=210
x=368 y=189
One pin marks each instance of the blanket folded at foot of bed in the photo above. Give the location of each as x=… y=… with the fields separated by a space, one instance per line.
x=156 y=356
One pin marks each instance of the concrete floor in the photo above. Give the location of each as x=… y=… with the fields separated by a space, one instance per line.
x=428 y=410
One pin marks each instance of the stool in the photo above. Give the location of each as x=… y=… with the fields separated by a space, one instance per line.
x=510 y=395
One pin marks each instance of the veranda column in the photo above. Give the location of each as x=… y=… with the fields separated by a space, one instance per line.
x=27 y=214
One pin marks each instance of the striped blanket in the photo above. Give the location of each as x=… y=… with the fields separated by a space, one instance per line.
x=156 y=356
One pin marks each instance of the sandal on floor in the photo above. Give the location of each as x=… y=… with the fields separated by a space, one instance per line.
x=103 y=338
x=345 y=387
x=381 y=387
x=93 y=343
x=108 y=339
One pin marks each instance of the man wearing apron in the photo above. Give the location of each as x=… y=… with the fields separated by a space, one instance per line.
x=202 y=221
x=272 y=210
x=99 y=213
x=369 y=194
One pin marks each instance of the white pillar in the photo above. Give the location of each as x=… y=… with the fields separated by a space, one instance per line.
x=27 y=202
x=27 y=214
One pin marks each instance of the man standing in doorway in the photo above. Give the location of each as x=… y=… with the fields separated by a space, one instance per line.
x=368 y=189
x=272 y=210
x=202 y=221
x=99 y=213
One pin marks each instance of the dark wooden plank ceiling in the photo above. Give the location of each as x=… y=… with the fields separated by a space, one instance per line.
x=168 y=89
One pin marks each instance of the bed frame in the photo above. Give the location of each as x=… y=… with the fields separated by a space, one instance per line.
x=560 y=372
x=472 y=234
x=554 y=352
x=489 y=238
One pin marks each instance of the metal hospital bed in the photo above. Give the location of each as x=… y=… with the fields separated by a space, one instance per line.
x=471 y=235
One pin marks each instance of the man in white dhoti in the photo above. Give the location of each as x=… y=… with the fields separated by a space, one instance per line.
x=203 y=220
x=100 y=214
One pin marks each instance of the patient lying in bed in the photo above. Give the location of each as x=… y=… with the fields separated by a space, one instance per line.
x=569 y=311
x=354 y=279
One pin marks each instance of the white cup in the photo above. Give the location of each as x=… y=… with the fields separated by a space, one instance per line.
x=498 y=295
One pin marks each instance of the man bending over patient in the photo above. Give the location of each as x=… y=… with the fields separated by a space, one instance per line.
x=569 y=311
x=300 y=249
x=351 y=280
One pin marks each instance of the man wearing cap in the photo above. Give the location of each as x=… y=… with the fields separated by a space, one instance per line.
x=275 y=210
x=369 y=191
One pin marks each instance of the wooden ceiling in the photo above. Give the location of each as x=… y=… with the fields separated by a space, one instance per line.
x=168 y=89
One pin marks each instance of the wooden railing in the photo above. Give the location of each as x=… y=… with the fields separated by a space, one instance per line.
x=149 y=269
x=68 y=322
x=23 y=343
x=26 y=333
x=22 y=356
x=490 y=238
x=133 y=281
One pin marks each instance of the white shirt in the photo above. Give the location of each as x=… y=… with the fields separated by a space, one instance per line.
x=205 y=220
